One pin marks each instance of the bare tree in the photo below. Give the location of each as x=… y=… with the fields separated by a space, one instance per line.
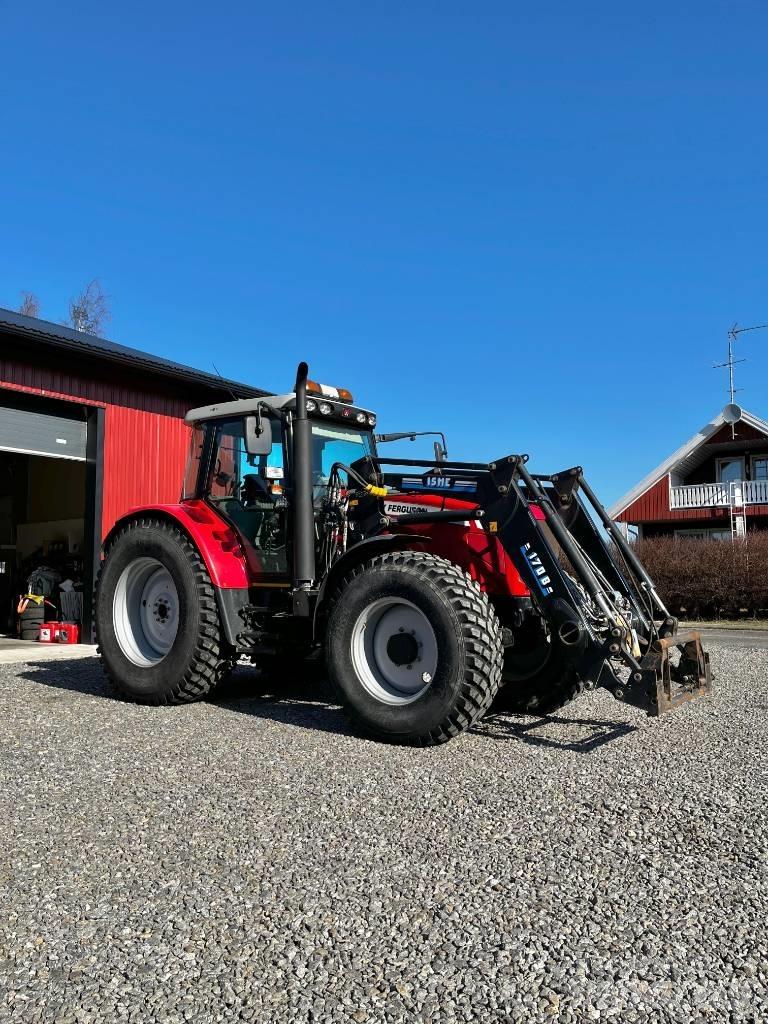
x=30 y=304
x=89 y=311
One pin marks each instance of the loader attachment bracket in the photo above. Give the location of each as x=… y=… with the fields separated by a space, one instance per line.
x=674 y=671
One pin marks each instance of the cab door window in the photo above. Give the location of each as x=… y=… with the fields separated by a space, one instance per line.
x=250 y=491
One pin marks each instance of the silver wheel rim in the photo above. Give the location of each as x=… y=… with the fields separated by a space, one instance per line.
x=145 y=612
x=394 y=651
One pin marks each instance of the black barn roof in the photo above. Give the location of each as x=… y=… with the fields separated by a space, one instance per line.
x=56 y=336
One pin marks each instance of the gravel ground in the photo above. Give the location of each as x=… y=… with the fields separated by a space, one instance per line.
x=254 y=860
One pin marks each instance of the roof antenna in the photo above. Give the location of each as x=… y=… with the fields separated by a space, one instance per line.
x=733 y=335
x=225 y=382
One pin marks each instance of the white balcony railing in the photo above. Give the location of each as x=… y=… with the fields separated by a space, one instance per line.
x=741 y=492
x=756 y=492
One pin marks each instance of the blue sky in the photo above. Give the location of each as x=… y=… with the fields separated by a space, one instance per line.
x=529 y=225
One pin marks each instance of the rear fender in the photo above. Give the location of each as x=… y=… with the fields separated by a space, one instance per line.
x=218 y=546
x=216 y=541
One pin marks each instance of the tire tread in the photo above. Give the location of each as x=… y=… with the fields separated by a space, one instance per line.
x=480 y=628
x=209 y=662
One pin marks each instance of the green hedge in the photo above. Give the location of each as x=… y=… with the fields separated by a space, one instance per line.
x=709 y=578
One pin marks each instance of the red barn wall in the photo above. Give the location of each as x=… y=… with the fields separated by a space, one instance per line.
x=144 y=457
x=57 y=379
x=145 y=438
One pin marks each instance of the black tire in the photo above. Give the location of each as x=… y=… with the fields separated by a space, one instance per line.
x=536 y=679
x=198 y=656
x=467 y=634
x=32 y=613
x=28 y=633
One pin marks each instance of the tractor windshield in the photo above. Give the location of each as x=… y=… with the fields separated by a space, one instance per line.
x=331 y=444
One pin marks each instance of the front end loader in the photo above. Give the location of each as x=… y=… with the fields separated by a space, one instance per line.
x=435 y=591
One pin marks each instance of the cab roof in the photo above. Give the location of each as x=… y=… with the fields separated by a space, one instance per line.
x=245 y=406
x=240 y=407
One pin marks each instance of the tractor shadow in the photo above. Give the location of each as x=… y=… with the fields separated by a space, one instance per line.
x=77 y=675
x=304 y=700
x=579 y=735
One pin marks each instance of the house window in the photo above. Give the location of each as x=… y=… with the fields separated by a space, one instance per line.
x=702 y=534
x=730 y=470
x=760 y=467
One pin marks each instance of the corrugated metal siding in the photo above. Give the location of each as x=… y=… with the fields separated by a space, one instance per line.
x=41 y=337
x=59 y=383
x=145 y=438
x=144 y=456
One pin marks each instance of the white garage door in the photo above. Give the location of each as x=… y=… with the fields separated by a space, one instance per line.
x=34 y=433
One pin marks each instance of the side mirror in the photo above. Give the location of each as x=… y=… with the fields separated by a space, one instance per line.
x=258 y=434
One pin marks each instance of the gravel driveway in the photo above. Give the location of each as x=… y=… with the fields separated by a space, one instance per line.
x=254 y=860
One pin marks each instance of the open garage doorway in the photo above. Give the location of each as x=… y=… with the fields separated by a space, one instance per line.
x=49 y=514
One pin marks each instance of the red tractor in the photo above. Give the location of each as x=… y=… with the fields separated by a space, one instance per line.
x=435 y=589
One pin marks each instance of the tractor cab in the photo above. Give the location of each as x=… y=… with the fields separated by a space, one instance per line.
x=241 y=463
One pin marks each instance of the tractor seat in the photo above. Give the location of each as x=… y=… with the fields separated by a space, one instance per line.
x=248 y=510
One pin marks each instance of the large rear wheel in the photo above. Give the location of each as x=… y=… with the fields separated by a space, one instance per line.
x=157 y=621
x=413 y=648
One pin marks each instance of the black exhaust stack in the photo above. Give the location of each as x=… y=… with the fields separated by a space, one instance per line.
x=303 y=508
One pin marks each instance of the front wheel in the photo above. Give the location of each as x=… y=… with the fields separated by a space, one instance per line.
x=157 y=622
x=413 y=648
x=536 y=679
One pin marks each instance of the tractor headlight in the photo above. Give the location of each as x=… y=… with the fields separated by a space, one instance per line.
x=361 y=417
x=311 y=405
x=325 y=408
x=371 y=421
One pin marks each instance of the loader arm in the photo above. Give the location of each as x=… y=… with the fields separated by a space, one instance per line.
x=599 y=603
x=635 y=652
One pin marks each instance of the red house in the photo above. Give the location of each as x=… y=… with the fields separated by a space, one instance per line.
x=88 y=430
x=716 y=485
